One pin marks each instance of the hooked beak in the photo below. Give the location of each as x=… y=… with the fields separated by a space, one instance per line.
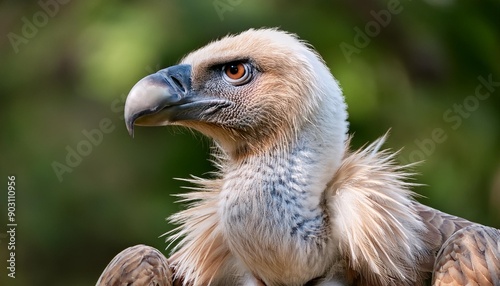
x=153 y=94
x=166 y=97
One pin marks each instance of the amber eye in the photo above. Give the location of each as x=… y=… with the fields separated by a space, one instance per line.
x=237 y=73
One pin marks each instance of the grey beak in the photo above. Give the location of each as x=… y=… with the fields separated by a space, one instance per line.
x=149 y=101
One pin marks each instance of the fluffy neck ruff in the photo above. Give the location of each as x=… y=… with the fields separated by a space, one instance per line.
x=376 y=231
x=381 y=234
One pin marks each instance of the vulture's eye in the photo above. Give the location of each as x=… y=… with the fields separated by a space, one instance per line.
x=237 y=73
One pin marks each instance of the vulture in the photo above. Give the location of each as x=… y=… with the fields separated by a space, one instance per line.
x=291 y=203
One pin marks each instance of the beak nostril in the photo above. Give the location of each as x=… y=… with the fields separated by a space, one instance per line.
x=178 y=78
x=178 y=84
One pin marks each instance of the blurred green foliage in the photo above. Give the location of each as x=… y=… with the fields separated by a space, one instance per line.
x=77 y=63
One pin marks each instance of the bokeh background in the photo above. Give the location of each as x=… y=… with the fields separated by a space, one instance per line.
x=66 y=67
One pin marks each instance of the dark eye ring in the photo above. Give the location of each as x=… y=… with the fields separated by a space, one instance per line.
x=237 y=73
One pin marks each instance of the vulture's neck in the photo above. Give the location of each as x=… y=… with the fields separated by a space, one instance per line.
x=272 y=204
x=295 y=176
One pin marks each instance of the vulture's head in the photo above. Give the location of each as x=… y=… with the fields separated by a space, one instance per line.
x=251 y=92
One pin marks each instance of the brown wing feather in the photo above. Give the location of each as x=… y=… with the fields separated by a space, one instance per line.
x=139 y=265
x=439 y=226
x=471 y=256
